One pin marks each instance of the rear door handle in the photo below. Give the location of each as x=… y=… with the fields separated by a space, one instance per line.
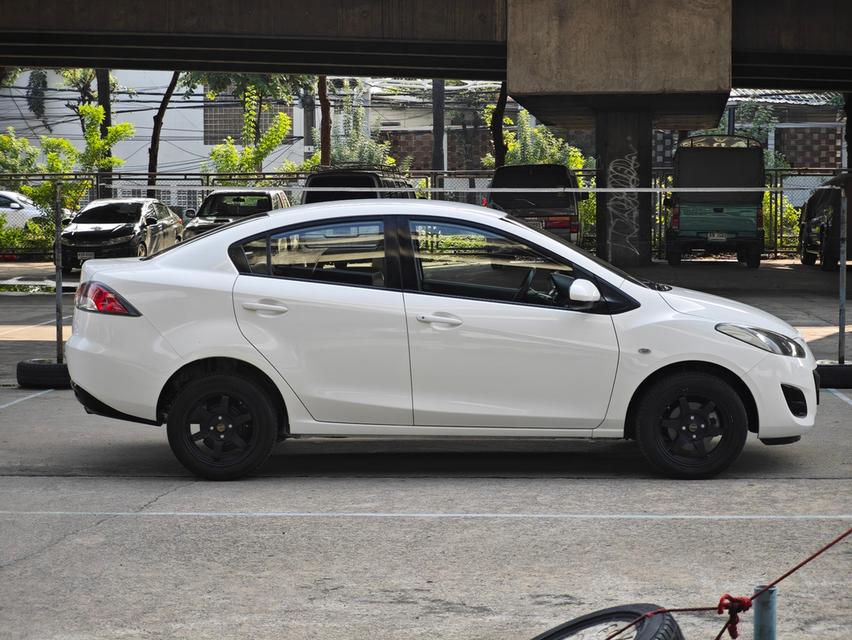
x=265 y=307
x=439 y=319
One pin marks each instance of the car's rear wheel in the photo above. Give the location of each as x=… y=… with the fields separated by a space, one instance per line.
x=753 y=258
x=691 y=425
x=808 y=259
x=222 y=427
x=600 y=624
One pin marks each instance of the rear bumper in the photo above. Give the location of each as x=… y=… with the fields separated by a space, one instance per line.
x=682 y=243
x=94 y=406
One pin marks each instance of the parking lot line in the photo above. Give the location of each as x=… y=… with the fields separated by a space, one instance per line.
x=428 y=515
x=29 y=397
x=842 y=396
x=29 y=326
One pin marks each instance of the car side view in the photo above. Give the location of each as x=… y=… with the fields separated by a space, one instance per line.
x=391 y=318
x=225 y=206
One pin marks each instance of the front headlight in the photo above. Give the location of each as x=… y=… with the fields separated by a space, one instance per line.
x=763 y=339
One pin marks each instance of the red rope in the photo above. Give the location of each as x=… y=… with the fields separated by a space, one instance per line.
x=733 y=605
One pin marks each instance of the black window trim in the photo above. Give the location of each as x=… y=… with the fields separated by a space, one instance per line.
x=411 y=281
x=393 y=277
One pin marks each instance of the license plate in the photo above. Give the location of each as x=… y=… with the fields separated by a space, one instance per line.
x=720 y=237
x=85 y=255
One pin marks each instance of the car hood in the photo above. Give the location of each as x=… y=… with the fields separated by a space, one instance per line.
x=704 y=305
x=115 y=229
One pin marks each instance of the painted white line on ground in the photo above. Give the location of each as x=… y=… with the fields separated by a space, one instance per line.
x=428 y=516
x=35 y=324
x=29 y=397
x=842 y=396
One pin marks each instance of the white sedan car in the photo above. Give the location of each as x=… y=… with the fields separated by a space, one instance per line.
x=415 y=318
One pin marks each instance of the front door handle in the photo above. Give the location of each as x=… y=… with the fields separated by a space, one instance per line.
x=439 y=319
x=265 y=307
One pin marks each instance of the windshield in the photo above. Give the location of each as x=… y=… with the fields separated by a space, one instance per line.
x=110 y=213
x=234 y=205
x=599 y=261
x=338 y=180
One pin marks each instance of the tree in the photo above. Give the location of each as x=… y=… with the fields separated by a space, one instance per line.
x=154 y=148
x=8 y=75
x=325 y=121
x=352 y=142
x=256 y=144
x=17 y=155
x=438 y=100
x=496 y=125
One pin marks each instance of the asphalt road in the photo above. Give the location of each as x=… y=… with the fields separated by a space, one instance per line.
x=103 y=535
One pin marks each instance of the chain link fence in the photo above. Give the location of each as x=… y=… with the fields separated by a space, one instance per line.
x=26 y=229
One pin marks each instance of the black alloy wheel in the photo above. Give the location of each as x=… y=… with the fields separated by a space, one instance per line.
x=691 y=425
x=222 y=427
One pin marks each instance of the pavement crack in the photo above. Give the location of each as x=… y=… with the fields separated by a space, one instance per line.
x=56 y=542
x=163 y=494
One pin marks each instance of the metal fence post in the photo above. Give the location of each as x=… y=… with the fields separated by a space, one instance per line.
x=765 y=607
x=57 y=258
x=841 y=320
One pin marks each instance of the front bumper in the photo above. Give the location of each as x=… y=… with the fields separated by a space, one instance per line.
x=125 y=249
x=768 y=380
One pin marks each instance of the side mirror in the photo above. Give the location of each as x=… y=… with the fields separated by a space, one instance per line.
x=584 y=291
x=66 y=221
x=16 y=206
x=667 y=202
x=150 y=221
x=189 y=214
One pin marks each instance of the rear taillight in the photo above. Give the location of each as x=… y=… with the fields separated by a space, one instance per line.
x=572 y=223
x=485 y=202
x=675 y=219
x=760 y=218
x=99 y=298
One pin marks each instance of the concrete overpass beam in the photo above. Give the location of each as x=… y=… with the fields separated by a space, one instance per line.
x=624 y=67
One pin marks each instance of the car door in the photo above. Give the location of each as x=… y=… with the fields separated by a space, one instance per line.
x=322 y=303
x=490 y=345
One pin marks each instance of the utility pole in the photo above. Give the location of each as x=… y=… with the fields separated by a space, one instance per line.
x=104 y=101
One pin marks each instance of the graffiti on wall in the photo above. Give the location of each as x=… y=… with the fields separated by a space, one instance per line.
x=623 y=208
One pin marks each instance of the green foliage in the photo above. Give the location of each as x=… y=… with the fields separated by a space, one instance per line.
x=33 y=237
x=533 y=145
x=308 y=165
x=97 y=152
x=788 y=217
x=228 y=158
x=36 y=88
x=276 y=86
x=17 y=155
x=8 y=75
x=351 y=142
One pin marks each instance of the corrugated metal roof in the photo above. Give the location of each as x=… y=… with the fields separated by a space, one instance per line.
x=782 y=96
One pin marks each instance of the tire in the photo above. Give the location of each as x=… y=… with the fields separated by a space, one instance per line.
x=700 y=444
x=674 y=258
x=828 y=263
x=40 y=373
x=753 y=258
x=659 y=627
x=141 y=250
x=242 y=428
x=742 y=256
x=808 y=259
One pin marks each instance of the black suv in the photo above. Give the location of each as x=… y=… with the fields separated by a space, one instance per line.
x=356 y=176
x=819 y=225
x=118 y=228
x=224 y=206
x=556 y=212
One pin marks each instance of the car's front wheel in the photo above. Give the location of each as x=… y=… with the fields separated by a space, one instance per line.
x=691 y=425
x=222 y=427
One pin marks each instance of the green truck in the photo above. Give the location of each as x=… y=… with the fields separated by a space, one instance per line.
x=717 y=221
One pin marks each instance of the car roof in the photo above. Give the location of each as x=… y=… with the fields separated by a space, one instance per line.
x=245 y=190
x=123 y=200
x=389 y=206
x=13 y=194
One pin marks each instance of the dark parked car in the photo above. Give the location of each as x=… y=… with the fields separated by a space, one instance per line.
x=119 y=228
x=712 y=222
x=372 y=177
x=819 y=226
x=224 y=206
x=556 y=212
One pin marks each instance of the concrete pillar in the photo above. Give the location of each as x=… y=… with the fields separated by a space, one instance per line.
x=623 y=221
